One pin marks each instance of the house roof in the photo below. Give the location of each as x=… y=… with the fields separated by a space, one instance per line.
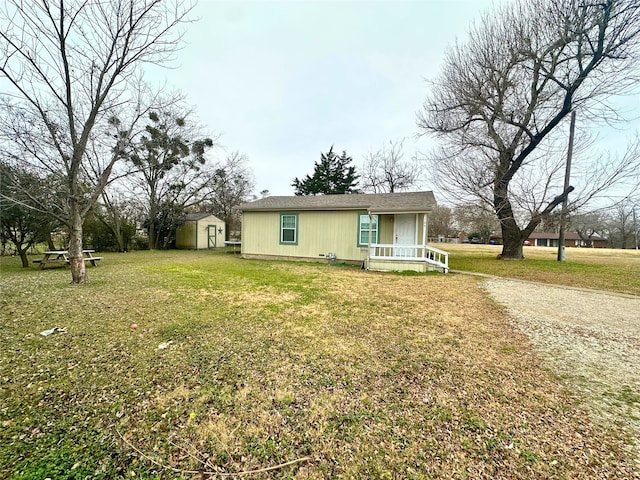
x=373 y=202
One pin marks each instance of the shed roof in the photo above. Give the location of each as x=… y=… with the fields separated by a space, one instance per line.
x=373 y=202
x=190 y=217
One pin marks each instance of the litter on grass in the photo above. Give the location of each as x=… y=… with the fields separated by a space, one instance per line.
x=46 y=333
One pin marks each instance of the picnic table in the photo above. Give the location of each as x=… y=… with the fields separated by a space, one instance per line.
x=61 y=258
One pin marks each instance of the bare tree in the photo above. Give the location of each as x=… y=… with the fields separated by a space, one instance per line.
x=441 y=222
x=588 y=225
x=476 y=219
x=231 y=185
x=621 y=228
x=501 y=97
x=119 y=215
x=386 y=171
x=67 y=71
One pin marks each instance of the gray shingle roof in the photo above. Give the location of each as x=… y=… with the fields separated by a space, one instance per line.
x=375 y=202
x=196 y=216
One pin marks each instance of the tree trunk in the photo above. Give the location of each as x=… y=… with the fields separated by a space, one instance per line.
x=151 y=234
x=78 y=272
x=116 y=229
x=151 y=230
x=50 y=243
x=23 y=256
x=511 y=233
x=512 y=243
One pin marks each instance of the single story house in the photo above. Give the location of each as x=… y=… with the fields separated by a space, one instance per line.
x=200 y=231
x=550 y=239
x=386 y=231
x=571 y=239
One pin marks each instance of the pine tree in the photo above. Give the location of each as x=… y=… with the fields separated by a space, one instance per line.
x=332 y=175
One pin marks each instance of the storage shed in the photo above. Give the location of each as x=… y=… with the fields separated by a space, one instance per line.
x=200 y=231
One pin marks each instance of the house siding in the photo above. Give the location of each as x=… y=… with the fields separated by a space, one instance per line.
x=319 y=233
x=386 y=229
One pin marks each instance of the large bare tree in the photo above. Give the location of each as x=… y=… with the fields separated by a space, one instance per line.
x=501 y=96
x=68 y=76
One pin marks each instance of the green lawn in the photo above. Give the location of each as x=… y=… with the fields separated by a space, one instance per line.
x=597 y=268
x=343 y=373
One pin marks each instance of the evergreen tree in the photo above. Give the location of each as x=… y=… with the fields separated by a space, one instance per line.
x=332 y=175
x=21 y=225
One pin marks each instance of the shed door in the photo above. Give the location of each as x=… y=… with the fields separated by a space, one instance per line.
x=404 y=233
x=212 y=241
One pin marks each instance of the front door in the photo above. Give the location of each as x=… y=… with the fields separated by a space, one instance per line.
x=212 y=241
x=404 y=233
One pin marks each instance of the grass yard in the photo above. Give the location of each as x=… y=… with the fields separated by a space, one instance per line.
x=302 y=371
x=598 y=268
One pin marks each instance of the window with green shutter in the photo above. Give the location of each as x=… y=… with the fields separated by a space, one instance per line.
x=289 y=228
x=363 y=229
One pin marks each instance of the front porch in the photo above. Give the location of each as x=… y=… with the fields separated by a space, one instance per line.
x=416 y=258
x=399 y=242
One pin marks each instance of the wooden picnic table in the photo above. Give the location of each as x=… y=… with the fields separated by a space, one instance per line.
x=61 y=258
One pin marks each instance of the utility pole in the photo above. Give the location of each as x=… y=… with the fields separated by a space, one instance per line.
x=635 y=226
x=567 y=175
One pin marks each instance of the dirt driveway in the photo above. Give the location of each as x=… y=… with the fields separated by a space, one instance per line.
x=591 y=339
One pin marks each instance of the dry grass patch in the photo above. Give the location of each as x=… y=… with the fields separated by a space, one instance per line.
x=368 y=375
x=596 y=268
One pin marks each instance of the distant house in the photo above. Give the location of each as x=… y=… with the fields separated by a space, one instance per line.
x=571 y=239
x=550 y=239
x=200 y=231
x=340 y=227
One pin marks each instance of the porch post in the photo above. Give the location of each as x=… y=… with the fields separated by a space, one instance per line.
x=425 y=229
x=370 y=231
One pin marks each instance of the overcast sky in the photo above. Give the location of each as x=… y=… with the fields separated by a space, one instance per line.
x=282 y=81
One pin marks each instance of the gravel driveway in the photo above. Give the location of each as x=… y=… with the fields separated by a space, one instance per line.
x=589 y=338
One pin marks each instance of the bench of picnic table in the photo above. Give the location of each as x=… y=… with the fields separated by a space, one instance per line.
x=93 y=260
x=61 y=257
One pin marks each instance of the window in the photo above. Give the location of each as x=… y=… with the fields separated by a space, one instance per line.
x=289 y=228
x=363 y=229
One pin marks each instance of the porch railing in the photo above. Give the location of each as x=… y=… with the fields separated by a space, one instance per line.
x=412 y=253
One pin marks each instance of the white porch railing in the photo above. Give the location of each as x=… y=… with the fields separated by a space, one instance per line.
x=411 y=253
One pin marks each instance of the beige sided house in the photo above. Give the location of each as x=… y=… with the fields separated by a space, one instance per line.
x=338 y=228
x=200 y=231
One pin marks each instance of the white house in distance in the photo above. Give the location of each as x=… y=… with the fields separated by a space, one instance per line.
x=200 y=231
x=339 y=227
